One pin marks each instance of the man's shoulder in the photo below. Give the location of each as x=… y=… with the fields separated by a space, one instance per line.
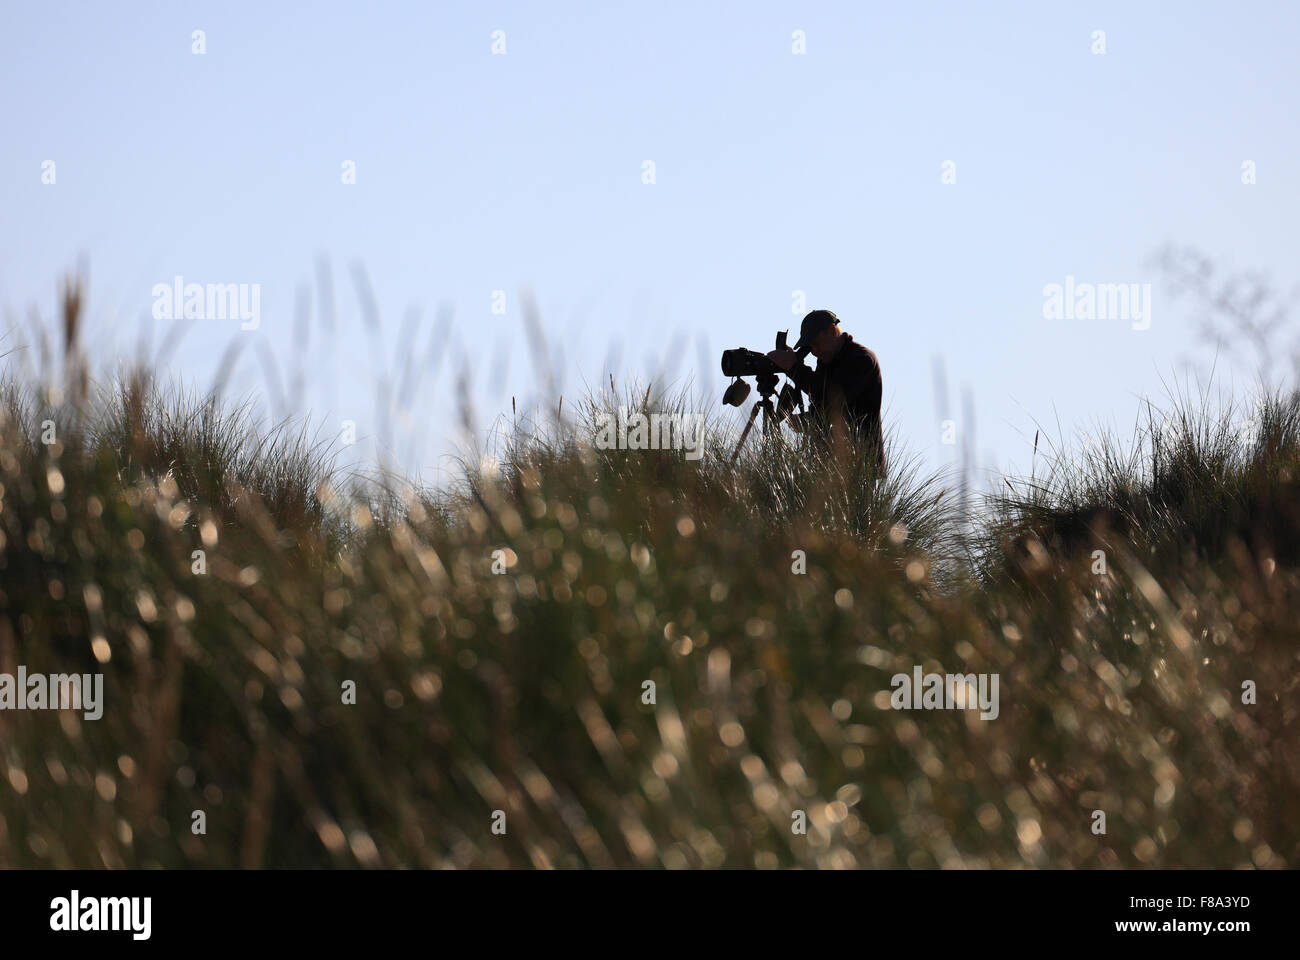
x=859 y=353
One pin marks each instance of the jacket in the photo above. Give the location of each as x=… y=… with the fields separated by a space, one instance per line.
x=847 y=386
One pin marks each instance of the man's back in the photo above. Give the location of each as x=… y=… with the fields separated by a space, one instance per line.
x=847 y=387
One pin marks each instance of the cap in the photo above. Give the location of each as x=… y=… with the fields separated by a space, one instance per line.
x=812 y=325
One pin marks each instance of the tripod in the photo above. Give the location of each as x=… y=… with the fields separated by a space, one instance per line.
x=773 y=415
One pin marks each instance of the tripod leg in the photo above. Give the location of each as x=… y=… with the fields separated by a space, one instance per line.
x=753 y=413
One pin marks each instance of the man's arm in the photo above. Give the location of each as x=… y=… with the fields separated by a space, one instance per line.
x=794 y=368
x=802 y=376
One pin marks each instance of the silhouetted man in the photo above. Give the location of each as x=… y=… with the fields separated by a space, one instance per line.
x=846 y=386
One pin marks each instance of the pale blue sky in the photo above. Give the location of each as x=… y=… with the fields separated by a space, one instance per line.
x=775 y=172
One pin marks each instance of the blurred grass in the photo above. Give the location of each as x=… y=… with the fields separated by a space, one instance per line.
x=523 y=691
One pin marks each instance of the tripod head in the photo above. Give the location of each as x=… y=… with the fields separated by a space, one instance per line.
x=741 y=363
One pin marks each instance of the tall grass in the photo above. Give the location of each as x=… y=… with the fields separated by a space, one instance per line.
x=1200 y=477
x=676 y=658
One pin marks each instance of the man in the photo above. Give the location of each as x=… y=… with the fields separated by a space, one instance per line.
x=846 y=386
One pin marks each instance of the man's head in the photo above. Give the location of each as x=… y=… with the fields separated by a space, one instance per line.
x=818 y=334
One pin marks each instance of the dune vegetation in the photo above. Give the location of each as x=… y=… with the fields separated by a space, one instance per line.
x=585 y=657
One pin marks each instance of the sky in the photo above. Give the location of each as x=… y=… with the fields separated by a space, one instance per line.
x=924 y=170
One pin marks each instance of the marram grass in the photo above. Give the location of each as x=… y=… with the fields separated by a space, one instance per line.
x=340 y=678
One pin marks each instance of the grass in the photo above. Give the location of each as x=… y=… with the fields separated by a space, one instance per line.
x=341 y=678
